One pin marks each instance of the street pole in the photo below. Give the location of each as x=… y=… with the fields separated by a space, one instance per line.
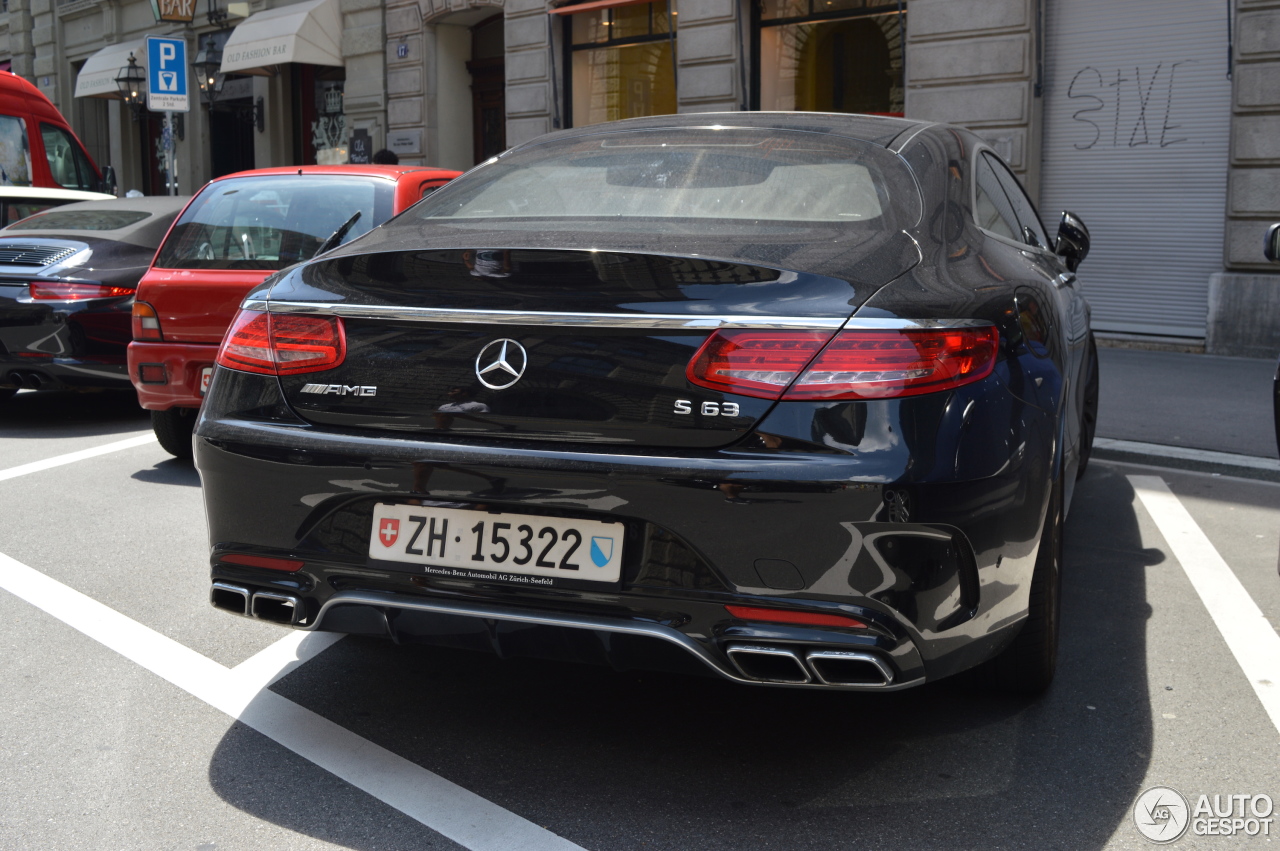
x=171 y=148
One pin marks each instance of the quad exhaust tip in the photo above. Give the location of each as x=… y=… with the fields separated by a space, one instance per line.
x=264 y=605
x=769 y=664
x=849 y=668
x=818 y=666
x=27 y=380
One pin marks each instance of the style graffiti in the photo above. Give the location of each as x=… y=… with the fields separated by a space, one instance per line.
x=1128 y=108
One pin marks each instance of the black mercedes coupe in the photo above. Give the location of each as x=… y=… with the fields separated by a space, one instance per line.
x=794 y=398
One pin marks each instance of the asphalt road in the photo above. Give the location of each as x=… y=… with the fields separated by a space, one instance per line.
x=119 y=708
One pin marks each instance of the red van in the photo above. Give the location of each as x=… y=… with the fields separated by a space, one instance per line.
x=37 y=145
x=235 y=233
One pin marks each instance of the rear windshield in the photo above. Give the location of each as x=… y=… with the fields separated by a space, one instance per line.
x=272 y=222
x=684 y=176
x=83 y=220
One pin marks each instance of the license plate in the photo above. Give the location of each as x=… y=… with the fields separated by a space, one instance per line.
x=465 y=543
x=205 y=375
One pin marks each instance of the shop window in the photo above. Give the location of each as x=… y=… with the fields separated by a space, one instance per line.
x=830 y=56
x=69 y=165
x=15 y=152
x=621 y=63
x=320 y=125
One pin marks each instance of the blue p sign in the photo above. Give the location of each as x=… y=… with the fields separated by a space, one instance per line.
x=167 y=75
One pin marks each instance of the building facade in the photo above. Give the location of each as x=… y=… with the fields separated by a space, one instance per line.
x=1159 y=124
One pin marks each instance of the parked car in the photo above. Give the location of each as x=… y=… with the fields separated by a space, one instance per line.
x=238 y=230
x=38 y=147
x=797 y=398
x=19 y=202
x=67 y=278
x=1271 y=250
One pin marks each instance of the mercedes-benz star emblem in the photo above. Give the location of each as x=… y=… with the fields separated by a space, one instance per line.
x=501 y=363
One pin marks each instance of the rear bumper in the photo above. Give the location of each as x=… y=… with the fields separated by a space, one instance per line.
x=809 y=658
x=182 y=362
x=941 y=591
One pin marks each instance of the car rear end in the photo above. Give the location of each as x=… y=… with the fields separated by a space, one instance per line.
x=235 y=233
x=662 y=424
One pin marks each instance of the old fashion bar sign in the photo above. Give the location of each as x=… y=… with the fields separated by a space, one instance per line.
x=179 y=11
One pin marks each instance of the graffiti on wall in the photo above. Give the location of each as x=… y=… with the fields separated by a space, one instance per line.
x=1127 y=107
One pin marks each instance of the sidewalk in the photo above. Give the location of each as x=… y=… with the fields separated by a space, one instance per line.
x=1196 y=402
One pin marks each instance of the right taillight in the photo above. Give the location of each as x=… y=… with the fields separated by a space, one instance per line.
x=854 y=364
x=282 y=343
x=146 y=322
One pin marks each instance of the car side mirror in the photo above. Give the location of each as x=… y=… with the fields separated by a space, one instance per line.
x=1271 y=247
x=1072 y=244
x=108 y=182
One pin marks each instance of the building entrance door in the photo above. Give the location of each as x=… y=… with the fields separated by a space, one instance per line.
x=488 y=89
x=231 y=137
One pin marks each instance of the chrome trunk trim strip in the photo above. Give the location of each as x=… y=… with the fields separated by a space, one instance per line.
x=642 y=321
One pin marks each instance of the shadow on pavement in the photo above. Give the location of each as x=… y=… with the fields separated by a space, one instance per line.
x=69 y=414
x=172 y=471
x=628 y=760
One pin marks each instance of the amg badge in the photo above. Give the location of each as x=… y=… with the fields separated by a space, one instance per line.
x=341 y=389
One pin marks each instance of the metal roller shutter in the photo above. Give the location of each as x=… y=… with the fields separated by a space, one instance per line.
x=1136 y=118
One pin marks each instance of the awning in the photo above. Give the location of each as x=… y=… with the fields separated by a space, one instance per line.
x=97 y=79
x=597 y=4
x=301 y=32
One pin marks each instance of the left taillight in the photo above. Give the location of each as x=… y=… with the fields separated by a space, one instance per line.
x=146 y=322
x=853 y=364
x=282 y=343
x=73 y=291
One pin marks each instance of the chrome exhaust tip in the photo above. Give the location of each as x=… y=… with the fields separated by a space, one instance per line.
x=230 y=598
x=769 y=664
x=849 y=668
x=275 y=607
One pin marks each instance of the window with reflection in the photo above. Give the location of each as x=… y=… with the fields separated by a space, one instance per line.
x=830 y=56
x=621 y=62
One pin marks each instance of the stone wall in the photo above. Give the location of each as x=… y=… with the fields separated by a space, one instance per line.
x=363 y=52
x=1253 y=194
x=1244 y=318
x=708 y=50
x=974 y=63
x=406 y=81
x=531 y=110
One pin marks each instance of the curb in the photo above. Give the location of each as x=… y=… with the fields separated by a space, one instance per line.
x=1186 y=458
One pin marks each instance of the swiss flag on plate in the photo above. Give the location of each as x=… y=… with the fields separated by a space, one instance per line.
x=388 y=531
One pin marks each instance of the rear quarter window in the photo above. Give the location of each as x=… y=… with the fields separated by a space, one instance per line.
x=272 y=222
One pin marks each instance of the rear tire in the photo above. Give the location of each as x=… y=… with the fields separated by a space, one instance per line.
x=1028 y=664
x=1089 y=409
x=173 y=429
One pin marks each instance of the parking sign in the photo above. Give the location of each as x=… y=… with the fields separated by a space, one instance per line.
x=167 y=75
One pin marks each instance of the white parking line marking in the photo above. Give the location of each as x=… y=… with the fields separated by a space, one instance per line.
x=1251 y=638
x=444 y=807
x=278 y=660
x=72 y=457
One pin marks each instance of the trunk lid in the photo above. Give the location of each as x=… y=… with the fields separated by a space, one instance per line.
x=196 y=305
x=600 y=341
